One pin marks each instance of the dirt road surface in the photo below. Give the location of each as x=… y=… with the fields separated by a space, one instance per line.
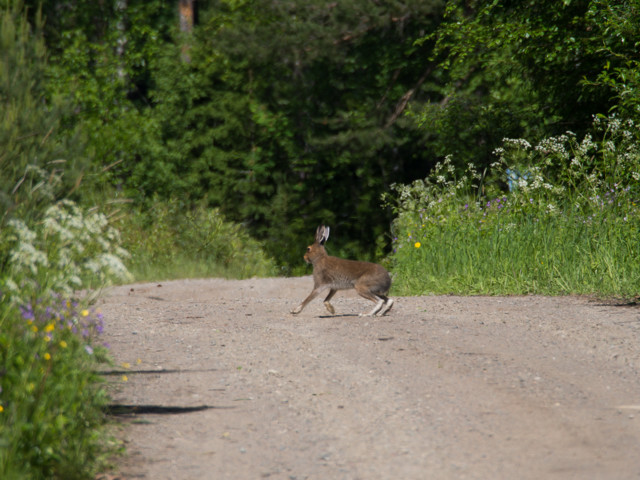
x=442 y=387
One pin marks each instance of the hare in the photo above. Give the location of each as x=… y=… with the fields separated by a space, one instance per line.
x=370 y=280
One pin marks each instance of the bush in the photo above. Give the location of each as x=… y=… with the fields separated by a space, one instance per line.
x=561 y=217
x=168 y=241
x=51 y=399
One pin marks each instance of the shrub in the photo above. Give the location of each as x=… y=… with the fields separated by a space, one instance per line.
x=170 y=240
x=557 y=218
x=50 y=397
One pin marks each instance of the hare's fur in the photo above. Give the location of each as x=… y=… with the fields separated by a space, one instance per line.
x=370 y=280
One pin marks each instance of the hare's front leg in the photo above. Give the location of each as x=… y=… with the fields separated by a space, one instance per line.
x=314 y=293
x=327 y=305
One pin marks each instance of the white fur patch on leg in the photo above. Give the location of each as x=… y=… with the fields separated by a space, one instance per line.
x=374 y=310
x=387 y=307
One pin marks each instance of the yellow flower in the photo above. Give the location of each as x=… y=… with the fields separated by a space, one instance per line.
x=417 y=244
x=124 y=378
x=47 y=338
x=125 y=365
x=47 y=356
x=63 y=344
x=1 y=409
x=34 y=329
x=50 y=328
x=84 y=313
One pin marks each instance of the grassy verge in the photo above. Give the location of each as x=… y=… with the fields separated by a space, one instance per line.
x=558 y=218
x=170 y=241
x=51 y=400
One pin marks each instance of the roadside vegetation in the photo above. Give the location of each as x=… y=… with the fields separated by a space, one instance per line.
x=170 y=240
x=559 y=217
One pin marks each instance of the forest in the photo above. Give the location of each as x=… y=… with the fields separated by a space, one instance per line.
x=285 y=114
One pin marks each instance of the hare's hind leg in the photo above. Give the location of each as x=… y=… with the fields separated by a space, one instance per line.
x=374 y=311
x=369 y=295
x=327 y=305
x=386 y=307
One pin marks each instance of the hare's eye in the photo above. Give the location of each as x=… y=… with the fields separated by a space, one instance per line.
x=308 y=249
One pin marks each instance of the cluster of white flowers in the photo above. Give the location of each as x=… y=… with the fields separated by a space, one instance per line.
x=516 y=143
x=25 y=255
x=554 y=146
x=68 y=246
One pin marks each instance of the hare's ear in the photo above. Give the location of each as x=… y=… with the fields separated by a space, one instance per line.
x=322 y=234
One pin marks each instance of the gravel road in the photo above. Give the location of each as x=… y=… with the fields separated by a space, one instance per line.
x=229 y=385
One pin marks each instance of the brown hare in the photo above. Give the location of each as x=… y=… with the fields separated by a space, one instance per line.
x=370 y=280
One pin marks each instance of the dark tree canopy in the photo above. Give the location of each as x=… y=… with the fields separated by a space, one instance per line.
x=287 y=114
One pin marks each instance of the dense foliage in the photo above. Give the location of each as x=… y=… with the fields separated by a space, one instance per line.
x=285 y=124
x=531 y=69
x=567 y=223
x=287 y=114
x=51 y=399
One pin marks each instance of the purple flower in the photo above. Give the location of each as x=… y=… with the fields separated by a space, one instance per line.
x=27 y=312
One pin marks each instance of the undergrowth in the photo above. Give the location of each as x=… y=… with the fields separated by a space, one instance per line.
x=561 y=217
x=51 y=399
x=170 y=241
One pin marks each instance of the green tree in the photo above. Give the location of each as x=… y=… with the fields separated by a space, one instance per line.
x=39 y=161
x=288 y=115
x=618 y=44
x=528 y=69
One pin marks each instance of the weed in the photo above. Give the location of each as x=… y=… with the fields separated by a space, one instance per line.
x=51 y=399
x=171 y=241
x=557 y=218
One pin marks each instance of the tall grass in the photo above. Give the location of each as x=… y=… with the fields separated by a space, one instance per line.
x=169 y=240
x=50 y=396
x=558 y=218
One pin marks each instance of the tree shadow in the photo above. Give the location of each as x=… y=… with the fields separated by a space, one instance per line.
x=119 y=409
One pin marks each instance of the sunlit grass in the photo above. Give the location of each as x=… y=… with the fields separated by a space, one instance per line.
x=171 y=241
x=51 y=398
x=568 y=224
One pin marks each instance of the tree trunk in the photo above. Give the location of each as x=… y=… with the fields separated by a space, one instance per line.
x=187 y=12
